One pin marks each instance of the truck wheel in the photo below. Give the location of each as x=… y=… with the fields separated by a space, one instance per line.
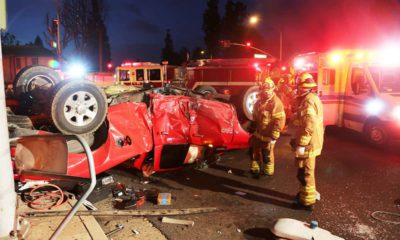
x=248 y=101
x=376 y=133
x=206 y=90
x=34 y=79
x=77 y=107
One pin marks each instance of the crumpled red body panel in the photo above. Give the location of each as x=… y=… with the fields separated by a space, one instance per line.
x=134 y=131
x=125 y=120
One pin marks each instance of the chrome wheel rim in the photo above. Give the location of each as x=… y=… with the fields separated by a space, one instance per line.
x=80 y=108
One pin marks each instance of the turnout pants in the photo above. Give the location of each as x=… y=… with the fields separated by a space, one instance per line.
x=306 y=177
x=263 y=153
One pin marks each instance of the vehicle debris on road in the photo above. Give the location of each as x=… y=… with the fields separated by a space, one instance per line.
x=177 y=221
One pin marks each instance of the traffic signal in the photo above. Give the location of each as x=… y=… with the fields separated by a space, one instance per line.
x=248 y=44
x=109 y=66
x=225 y=43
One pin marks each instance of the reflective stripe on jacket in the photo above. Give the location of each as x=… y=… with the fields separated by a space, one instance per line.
x=308 y=121
x=269 y=117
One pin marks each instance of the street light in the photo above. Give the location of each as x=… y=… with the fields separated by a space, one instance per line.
x=254 y=19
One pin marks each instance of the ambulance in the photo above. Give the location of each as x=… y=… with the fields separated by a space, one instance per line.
x=359 y=88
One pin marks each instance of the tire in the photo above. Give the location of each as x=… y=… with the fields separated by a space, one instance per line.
x=77 y=107
x=31 y=81
x=248 y=100
x=206 y=90
x=376 y=133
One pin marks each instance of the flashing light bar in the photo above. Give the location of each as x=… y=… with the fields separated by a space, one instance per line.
x=131 y=64
x=259 y=56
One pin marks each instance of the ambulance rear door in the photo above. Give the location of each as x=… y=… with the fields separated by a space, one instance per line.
x=358 y=92
x=329 y=94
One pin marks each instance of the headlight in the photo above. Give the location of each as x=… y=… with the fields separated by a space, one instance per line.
x=375 y=107
x=76 y=70
x=396 y=113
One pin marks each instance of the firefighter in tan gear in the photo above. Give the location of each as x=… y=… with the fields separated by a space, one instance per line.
x=269 y=118
x=309 y=135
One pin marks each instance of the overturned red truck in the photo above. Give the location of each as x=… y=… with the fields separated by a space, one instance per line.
x=161 y=129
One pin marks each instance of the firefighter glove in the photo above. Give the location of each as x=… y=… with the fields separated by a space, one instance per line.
x=300 y=150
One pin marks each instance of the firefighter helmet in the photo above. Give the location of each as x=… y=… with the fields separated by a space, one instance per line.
x=268 y=88
x=306 y=81
x=268 y=84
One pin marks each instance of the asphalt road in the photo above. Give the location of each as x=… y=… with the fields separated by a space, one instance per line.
x=353 y=178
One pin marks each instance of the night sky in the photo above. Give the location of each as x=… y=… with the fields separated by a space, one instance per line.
x=137 y=28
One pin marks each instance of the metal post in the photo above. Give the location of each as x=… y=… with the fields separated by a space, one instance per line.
x=92 y=172
x=7 y=193
x=58 y=39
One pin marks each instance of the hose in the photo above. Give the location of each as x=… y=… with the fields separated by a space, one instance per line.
x=375 y=215
x=42 y=200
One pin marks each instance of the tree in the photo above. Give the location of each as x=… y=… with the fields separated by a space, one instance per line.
x=196 y=53
x=50 y=36
x=9 y=39
x=212 y=27
x=83 y=21
x=38 y=42
x=233 y=21
x=168 y=53
x=233 y=27
x=184 y=55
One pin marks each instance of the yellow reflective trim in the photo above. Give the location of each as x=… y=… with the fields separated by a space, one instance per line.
x=262 y=138
x=304 y=140
x=310 y=111
x=278 y=114
x=275 y=134
x=309 y=188
x=255 y=166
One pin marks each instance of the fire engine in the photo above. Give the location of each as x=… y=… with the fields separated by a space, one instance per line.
x=360 y=89
x=235 y=77
x=135 y=73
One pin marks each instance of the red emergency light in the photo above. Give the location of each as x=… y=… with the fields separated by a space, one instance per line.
x=109 y=65
x=130 y=64
x=248 y=44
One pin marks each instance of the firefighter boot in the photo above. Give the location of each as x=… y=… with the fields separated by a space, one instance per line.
x=299 y=206
x=268 y=162
x=255 y=168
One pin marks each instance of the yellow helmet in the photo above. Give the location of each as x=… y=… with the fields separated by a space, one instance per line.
x=306 y=80
x=268 y=84
x=267 y=88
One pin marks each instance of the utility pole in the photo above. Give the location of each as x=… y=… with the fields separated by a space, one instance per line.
x=58 y=38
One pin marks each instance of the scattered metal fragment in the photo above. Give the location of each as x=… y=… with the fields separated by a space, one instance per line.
x=240 y=193
x=118 y=228
x=177 y=221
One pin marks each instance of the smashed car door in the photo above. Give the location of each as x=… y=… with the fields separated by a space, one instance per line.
x=170 y=131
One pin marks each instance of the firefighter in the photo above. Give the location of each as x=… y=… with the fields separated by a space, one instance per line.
x=308 y=141
x=269 y=118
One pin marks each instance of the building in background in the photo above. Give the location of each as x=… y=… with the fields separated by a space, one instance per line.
x=16 y=58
